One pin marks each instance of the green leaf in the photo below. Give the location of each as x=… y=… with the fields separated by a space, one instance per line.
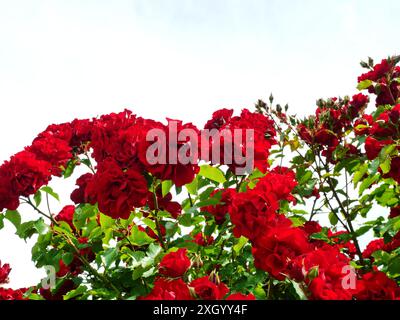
x=137 y=272
x=139 y=238
x=26 y=230
x=185 y=219
x=37 y=198
x=69 y=170
x=192 y=187
x=67 y=258
x=363 y=230
x=40 y=226
x=75 y=293
x=333 y=219
x=106 y=221
x=1 y=221
x=367 y=183
x=109 y=256
x=240 y=244
x=394 y=266
x=364 y=85
x=385 y=165
x=166 y=187
x=14 y=217
x=212 y=173
x=307 y=176
x=50 y=191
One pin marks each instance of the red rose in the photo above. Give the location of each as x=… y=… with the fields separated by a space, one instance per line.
x=81 y=132
x=67 y=215
x=377 y=286
x=117 y=192
x=53 y=150
x=202 y=240
x=274 y=250
x=166 y=289
x=379 y=71
x=250 y=214
x=304 y=133
x=362 y=125
x=23 y=175
x=326 y=137
x=175 y=264
x=220 y=210
x=4 y=272
x=373 y=246
x=219 y=119
x=173 y=168
x=105 y=133
x=80 y=195
x=11 y=294
x=394 y=212
x=207 y=290
x=241 y=296
x=358 y=103
x=373 y=147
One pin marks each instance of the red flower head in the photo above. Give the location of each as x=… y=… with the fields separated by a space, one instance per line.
x=241 y=296
x=373 y=147
x=208 y=290
x=167 y=289
x=66 y=215
x=175 y=264
x=220 y=210
x=4 y=272
x=377 y=286
x=117 y=192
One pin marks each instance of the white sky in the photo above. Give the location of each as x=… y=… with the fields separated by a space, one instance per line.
x=173 y=58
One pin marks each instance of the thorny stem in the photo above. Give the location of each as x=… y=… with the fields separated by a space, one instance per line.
x=158 y=225
x=92 y=270
x=345 y=213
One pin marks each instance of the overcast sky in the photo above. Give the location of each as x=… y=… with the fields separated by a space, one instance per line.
x=174 y=58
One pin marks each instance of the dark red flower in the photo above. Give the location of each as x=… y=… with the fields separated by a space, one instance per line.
x=174 y=264
x=219 y=119
x=167 y=289
x=53 y=150
x=208 y=290
x=377 y=286
x=11 y=294
x=165 y=162
x=394 y=212
x=202 y=240
x=80 y=195
x=220 y=210
x=373 y=147
x=4 y=272
x=241 y=296
x=67 y=215
x=117 y=192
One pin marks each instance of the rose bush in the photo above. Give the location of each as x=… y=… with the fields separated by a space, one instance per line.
x=295 y=227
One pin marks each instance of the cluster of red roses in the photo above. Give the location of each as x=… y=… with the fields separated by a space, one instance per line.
x=332 y=118
x=384 y=129
x=264 y=136
x=285 y=251
x=171 y=286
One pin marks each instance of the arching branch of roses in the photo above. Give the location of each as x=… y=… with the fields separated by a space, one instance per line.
x=292 y=228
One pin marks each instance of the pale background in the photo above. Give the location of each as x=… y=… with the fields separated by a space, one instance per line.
x=182 y=59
